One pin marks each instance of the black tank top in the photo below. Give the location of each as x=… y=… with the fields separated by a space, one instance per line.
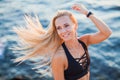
x=76 y=69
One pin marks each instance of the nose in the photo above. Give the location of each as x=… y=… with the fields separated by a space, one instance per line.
x=63 y=30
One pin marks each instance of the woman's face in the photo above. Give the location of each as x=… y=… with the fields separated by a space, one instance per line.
x=65 y=28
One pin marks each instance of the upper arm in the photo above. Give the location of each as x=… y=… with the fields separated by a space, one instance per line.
x=93 y=38
x=58 y=67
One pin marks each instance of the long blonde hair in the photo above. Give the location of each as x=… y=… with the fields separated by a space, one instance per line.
x=36 y=41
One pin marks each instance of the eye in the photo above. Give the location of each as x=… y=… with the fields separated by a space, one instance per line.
x=66 y=25
x=58 y=28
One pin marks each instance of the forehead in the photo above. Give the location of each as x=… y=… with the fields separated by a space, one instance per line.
x=62 y=20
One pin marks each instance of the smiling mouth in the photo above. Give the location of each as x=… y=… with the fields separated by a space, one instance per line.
x=66 y=35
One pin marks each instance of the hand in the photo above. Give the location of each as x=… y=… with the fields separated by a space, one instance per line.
x=80 y=8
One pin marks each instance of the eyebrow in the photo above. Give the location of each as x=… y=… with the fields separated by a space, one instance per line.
x=64 y=24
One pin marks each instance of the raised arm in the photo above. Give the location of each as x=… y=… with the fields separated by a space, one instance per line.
x=103 y=30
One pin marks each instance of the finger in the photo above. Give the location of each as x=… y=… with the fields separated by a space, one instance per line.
x=75 y=8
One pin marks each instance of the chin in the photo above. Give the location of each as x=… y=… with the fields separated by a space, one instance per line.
x=66 y=39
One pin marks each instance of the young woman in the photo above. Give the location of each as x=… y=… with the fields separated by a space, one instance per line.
x=68 y=54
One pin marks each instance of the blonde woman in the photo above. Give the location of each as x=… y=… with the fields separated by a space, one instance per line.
x=67 y=54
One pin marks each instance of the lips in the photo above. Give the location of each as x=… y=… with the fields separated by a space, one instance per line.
x=66 y=35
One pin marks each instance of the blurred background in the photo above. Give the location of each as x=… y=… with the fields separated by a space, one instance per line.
x=105 y=57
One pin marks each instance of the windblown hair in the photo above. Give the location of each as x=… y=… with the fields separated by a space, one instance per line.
x=36 y=41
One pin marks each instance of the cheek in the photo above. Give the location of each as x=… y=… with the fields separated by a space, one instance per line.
x=59 y=33
x=71 y=29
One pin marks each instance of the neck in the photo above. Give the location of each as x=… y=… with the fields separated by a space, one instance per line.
x=73 y=43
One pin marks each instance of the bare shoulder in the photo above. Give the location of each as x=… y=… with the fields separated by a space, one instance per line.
x=59 y=53
x=84 y=38
x=58 y=58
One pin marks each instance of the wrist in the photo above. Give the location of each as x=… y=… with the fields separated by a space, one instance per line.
x=86 y=12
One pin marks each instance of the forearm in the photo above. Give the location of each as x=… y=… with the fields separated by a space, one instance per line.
x=102 y=27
